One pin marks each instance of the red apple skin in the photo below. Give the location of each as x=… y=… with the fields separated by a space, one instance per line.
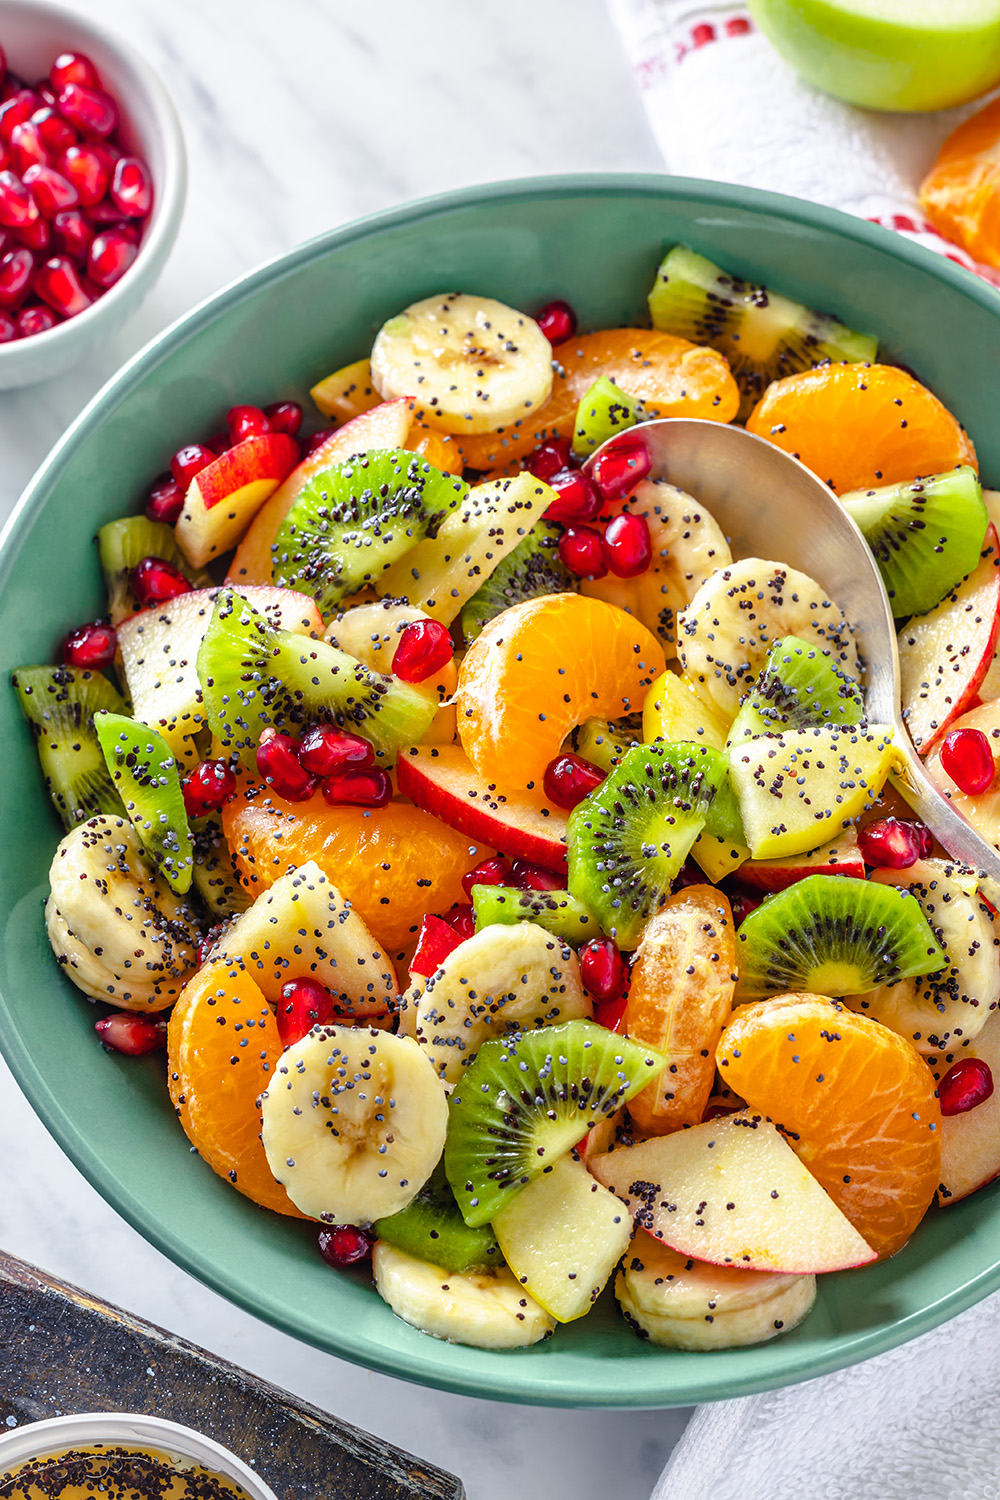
x=843 y=857
x=970 y=1143
x=270 y=455
x=441 y=780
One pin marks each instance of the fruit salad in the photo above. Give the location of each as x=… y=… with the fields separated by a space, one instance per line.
x=512 y=875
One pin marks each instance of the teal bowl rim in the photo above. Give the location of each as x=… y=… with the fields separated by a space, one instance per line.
x=798 y=1364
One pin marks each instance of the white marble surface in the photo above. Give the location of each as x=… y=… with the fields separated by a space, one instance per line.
x=299 y=117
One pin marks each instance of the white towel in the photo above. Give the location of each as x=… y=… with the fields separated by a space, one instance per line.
x=918 y=1423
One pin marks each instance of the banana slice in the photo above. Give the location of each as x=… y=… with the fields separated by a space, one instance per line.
x=473 y=364
x=688 y=1304
x=354 y=1123
x=501 y=978
x=97 y=981
x=487 y=1309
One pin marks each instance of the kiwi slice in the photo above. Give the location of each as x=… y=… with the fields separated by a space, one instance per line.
x=926 y=536
x=800 y=686
x=557 y=911
x=432 y=1229
x=532 y=569
x=122 y=546
x=60 y=703
x=214 y=875
x=762 y=334
x=527 y=1099
x=253 y=675
x=352 y=522
x=832 y=935
x=145 y=774
x=604 y=744
x=628 y=840
x=604 y=410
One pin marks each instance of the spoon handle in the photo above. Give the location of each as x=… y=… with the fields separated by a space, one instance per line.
x=947 y=824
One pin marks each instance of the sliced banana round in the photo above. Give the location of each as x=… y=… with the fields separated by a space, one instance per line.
x=499 y=979
x=487 y=1309
x=939 y=1012
x=353 y=1123
x=91 y=976
x=473 y=364
x=724 y=634
x=688 y=1304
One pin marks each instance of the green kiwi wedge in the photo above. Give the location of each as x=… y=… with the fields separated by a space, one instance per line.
x=146 y=777
x=833 y=935
x=60 y=703
x=527 y=1099
x=800 y=686
x=557 y=911
x=432 y=1229
x=628 y=840
x=532 y=569
x=762 y=334
x=352 y=522
x=123 y=544
x=214 y=875
x=926 y=536
x=253 y=675
x=604 y=411
x=604 y=744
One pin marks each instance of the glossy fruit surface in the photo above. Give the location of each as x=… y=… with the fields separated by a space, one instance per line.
x=356 y=788
x=570 y=778
x=557 y=320
x=891 y=843
x=424 y=648
x=207 y=787
x=967 y=757
x=344 y=1245
x=967 y=1083
x=91 y=646
x=604 y=972
x=493 y=871
x=961 y=193
x=131 y=1034
x=278 y=762
x=324 y=749
x=154 y=581
x=304 y=1003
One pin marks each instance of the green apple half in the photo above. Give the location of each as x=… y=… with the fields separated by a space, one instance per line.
x=889 y=54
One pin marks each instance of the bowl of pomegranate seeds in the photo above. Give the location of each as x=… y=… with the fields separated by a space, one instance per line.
x=92 y=181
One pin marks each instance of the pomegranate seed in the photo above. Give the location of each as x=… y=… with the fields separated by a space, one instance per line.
x=45 y=94
x=278 y=763
x=36 y=235
x=582 y=550
x=549 y=458
x=13 y=84
x=90 y=111
x=284 y=416
x=926 y=840
x=189 y=461
x=424 y=648
x=603 y=971
x=110 y=256
x=92 y=646
x=304 y=1003
x=245 y=422
x=557 y=320
x=462 y=918
x=612 y=1014
x=525 y=876
x=154 y=581
x=317 y=440
x=578 y=500
x=890 y=844
x=628 y=546
x=344 y=1246
x=18 y=208
x=208 y=787
x=8 y=329
x=357 y=789
x=58 y=283
x=51 y=190
x=72 y=233
x=27 y=147
x=132 y=1034
x=325 y=750
x=166 y=500
x=16 y=270
x=34 y=320
x=968 y=760
x=967 y=1083
x=218 y=443
x=495 y=871
x=73 y=67
x=570 y=778
x=87 y=169
x=108 y=214
x=437 y=939
x=617 y=473
x=132 y=187
x=16 y=110
x=742 y=903
x=55 y=133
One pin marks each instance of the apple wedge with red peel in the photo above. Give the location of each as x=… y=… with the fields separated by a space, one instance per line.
x=842 y=857
x=732 y=1192
x=981 y=809
x=223 y=499
x=945 y=655
x=970 y=1142
x=442 y=780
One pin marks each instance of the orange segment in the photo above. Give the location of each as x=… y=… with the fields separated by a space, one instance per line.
x=222 y=1047
x=858 y=426
x=541 y=668
x=855 y=1101
x=961 y=193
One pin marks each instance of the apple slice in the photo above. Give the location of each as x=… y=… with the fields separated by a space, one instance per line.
x=442 y=780
x=970 y=1143
x=981 y=809
x=945 y=655
x=733 y=1192
x=223 y=499
x=842 y=857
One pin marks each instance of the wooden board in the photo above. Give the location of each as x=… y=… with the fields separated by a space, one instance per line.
x=64 y=1351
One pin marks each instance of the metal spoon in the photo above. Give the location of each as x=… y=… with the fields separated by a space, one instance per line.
x=772 y=506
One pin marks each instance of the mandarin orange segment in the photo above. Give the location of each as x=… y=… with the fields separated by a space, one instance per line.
x=858 y=426
x=855 y=1101
x=961 y=193
x=222 y=1047
x=541 y=668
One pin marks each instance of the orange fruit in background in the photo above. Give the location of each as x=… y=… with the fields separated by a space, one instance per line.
x=541 y=668
x=222 y=1046
x=859 y=426
x=961 y=193
x=855 y=1101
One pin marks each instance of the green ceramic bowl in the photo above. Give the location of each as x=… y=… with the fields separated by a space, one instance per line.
x=595 y=241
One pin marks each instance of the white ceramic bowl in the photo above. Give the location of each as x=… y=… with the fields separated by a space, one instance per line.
x=33 y=33
x=56 y=1434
